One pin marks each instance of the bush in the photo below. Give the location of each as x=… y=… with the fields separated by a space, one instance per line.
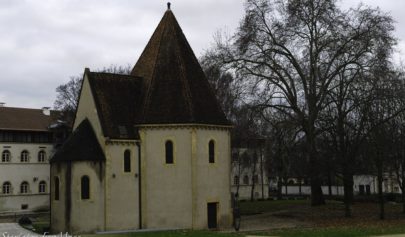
x=25 y=221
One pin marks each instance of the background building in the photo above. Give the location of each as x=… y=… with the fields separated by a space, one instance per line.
x=26 y=144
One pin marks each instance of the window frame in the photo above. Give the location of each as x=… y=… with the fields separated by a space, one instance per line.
x=211 y=151
x=24 y=187
x=41 y=156
x=236 y=180
x=84 y=191
x=56 y=190
x=42 y=184
x=24 y=156
x=6 y=156
x=169 y=141
x=9 y=188
x=127 y=161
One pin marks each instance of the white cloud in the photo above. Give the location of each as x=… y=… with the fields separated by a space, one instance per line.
x=45 y=42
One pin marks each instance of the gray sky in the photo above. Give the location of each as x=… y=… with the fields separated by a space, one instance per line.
x=45 y=42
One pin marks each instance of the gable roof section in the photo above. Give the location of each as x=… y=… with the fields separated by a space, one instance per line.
x=175 y=89
x=26 y=119
x=82 y=145
x=117 y=98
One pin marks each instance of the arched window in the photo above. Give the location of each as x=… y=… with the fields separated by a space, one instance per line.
x=245 y=179
x=211 y=151
x=24 y=187
x=85 y=187
x=41 y=156
x=56 y=188
x=24 y=156
x=6 y=188
x=169 y=152
x=6 y=156
x=127 y=161
x=236 y=180
x=42 y=187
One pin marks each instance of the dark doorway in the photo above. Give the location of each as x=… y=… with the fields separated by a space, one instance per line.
x=361 y=189
x=368 y=191
x=212 y=215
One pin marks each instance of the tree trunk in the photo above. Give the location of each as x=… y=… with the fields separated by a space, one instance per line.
x=279 y=189
x=348 y=192
x=316 y=181
x=314 y=169
x=286 y=186
x=380 y=186
x=329 y=184
x=300 y=187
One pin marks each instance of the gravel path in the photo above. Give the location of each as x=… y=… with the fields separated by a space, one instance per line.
x=15 y=230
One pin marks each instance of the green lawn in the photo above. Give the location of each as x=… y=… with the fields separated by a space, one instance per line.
x=336 y=232
x=249 y=208
x=316 y=232
x=177 y=233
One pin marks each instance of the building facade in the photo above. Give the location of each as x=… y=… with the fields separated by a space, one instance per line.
x=26 y=144
x=149 y=150
x=249 y=174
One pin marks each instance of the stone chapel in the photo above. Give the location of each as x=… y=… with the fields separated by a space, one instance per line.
x=149 y=150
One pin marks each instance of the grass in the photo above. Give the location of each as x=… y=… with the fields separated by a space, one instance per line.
x=249 y=208
x=40 y=227
x=336 y=232
x=177 y=233
x=325 y=221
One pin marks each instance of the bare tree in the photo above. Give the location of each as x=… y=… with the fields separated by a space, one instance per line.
x=292 y=51
x=68 y=94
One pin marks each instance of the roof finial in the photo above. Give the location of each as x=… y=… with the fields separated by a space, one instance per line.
x=168 y=5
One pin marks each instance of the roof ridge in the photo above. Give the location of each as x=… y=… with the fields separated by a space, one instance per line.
x=148 y=94
x=185 y=84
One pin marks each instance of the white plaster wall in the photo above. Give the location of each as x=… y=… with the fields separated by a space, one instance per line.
x=32 y=172
x=122 y=188
x=166 y=199
x=58 y=207
x=213 y=179
x=87 y=216
x=87 y=109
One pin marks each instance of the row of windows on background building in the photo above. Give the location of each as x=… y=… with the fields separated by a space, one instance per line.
x=24 y=156
x=245 y=179
x=25 y=137
x=170 y=157
x=7 y=188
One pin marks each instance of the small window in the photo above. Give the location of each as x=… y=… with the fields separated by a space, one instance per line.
x=85 y=187
x=127 y=161
x=6 y=188
x=211 y=151
x=24 y=187
x=24 y=156
x=41 y=156
x=245 y=179
x=6 y=156
x=42 y=187
x=169 y=152
x=56 y=188
x=236 y=180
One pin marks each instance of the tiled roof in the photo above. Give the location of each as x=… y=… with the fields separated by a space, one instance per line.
x=82 y=145
x=175 y=89
x=26 y=119
x=117 y=98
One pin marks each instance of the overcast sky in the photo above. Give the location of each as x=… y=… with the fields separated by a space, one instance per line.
x=43 y=43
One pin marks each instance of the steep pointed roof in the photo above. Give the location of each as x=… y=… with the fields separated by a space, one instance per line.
x=82 y=145
x=175 y=89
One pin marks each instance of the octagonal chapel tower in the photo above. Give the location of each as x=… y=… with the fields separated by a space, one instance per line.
x=149 y=150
